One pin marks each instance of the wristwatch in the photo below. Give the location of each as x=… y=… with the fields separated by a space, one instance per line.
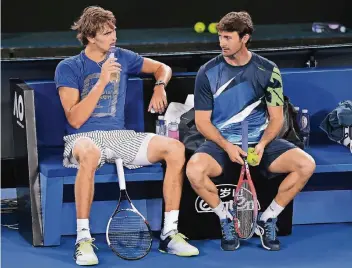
x=160 y=82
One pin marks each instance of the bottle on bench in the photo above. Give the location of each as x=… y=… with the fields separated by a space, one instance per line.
x=161 y=126
x=298 y=118
x=305 y=127
x=298 y=115
x=173 y=131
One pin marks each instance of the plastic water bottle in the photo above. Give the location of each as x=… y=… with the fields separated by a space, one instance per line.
x=298 y=118
x=305 y=127
x=173 y=131
x=114 y=77
x=160 y=126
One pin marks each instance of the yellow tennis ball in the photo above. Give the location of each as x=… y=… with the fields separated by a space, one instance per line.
x=252 y=157
x=212 y=28
x=199 y=27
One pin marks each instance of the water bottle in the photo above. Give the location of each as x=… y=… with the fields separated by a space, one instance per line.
x=160 y=126
x=114 y=77
x=173 y=131
x=305 y=127
x=298 y=118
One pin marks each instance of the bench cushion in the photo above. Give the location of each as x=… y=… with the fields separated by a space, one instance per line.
x=331 y=158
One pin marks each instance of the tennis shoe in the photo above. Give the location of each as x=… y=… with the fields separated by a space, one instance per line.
x=84 y=252
x=267 y=232
x=229 y=240
x=176 y=243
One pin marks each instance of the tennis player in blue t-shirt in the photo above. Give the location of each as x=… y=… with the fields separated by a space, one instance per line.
x=94 y=108
x=238 y=85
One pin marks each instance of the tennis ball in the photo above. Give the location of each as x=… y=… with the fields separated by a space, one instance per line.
x=212 y=28
x=199 y=27
x=252 y=157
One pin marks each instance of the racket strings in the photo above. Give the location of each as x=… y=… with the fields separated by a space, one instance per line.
x=129 y=235
x=245 y=211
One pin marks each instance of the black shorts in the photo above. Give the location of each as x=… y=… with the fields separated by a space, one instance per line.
x=272 y=151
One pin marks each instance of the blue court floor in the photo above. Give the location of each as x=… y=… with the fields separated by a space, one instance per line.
x=325 y=246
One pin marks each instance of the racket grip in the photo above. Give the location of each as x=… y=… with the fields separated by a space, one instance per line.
x=121 y=174
x=244 y=141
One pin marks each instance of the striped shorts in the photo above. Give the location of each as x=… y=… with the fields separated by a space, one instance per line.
x=113 y=144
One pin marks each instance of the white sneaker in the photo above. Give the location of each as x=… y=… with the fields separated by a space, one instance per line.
x=175 y=243
x=84 y=252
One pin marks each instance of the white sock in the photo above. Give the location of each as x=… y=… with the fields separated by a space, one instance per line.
x=83 y=230
x=170 y=221
x=222 y=211
x=272 y=211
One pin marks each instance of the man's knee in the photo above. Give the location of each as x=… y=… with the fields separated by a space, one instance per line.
x=87 y=154
x=195 y=171
x=175 y=153
x=306 y=167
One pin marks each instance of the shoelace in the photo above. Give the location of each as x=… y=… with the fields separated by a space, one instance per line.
x=228 y=230
x=270 y=230
x=180 y=237
x=89 y=242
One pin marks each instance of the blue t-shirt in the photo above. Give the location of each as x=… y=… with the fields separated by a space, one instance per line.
x=82 y=73
x=233 y=93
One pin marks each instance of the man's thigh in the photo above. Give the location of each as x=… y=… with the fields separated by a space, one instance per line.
x=142 y=158
x=282 y=157
x=213 y=157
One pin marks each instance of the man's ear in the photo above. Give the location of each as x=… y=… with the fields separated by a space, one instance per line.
x=91 y=39
x=245 y=38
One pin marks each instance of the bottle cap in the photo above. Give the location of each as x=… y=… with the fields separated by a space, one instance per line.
x=296 y=108
x=305 y=111
x=173 y=127
x=160 y=117
x=112 y=51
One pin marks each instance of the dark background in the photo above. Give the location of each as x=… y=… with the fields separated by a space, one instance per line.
x=40 y=15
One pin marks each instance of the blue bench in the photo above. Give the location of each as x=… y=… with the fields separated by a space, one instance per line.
x=58 y=217
x=320 y=90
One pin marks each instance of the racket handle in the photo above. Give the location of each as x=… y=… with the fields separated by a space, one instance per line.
x=244 y=125
x=121 y=174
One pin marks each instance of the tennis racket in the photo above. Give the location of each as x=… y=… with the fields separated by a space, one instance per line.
x=128 y=233
x=245 y=200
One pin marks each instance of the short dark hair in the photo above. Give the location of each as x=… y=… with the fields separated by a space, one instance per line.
x=92 y=20
x=240 y=22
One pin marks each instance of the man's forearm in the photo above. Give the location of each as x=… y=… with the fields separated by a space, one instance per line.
x=163 y=73
x=271 y=131
x=210 y=132
x=80 y=112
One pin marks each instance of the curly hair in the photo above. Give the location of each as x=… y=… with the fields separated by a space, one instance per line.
x=240 y=22
x=92 y=21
